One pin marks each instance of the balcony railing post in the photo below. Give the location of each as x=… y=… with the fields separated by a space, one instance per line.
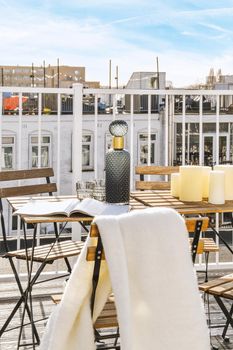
x=77 y=134
x=77 y=147
x=1 y=113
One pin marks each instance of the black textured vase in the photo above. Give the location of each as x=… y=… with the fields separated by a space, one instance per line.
x=118 y=166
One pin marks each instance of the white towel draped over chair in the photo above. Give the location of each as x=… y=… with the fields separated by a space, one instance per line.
x=153 y=280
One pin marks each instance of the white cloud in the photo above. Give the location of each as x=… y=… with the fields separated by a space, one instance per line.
x=28 y=36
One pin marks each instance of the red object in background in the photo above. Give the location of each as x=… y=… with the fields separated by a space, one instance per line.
x=12 y=103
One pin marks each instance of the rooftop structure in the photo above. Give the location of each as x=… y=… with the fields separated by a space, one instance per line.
x=42 y=76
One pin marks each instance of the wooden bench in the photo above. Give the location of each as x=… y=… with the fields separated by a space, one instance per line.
x=154 y=170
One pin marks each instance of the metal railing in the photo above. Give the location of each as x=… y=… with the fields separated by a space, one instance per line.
x=62 y=114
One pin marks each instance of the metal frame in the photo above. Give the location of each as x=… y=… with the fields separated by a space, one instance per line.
x=95 y=278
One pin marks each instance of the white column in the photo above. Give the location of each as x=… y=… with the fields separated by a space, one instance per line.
x=217 y=129
x=131 y=142
x=1 y=113
x=96 y=138
x=77 y=147
x=201 y=161
x=39 y=129
x=77 y=135
x=19 y=150
x=58 y=143
x=183 y=131
x=149 y=132
x=166 y=130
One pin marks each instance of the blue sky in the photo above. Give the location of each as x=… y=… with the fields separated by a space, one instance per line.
x=189 y=37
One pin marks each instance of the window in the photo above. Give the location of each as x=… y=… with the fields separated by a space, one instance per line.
x=87 y=152
x=143 y=148
x=8 y=152
x=108 y=142
x=45 y=151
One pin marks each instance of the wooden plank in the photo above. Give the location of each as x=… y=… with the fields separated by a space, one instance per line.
x=26 y=174
x=56 y=298
x=152 y=185
x=91 y=252
x=216 y=282
x=94 y=232
x=27 y=190
x=220 y=289
x=191 y=223
x=107 y=317
x=228 y=294
x=49 y=253
x=156 y=170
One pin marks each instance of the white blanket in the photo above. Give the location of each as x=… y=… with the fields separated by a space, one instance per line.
x=153 y=280
x=70 y=326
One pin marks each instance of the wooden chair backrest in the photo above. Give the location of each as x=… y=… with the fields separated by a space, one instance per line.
x=30 y=189
x=154 y=170
x=190 y=224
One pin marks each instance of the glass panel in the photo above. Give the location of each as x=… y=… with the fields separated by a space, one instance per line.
x=46 y=139
x=223 y=127
x=86 y=138
x=144 y=137
x=44 y=156
x=222 y=149
x=194 y=149
x=143 y=154
x=34 y=156
x=209 y=127
x=7 y=140
x=86 y=155
x=208 y=150
x=7 y=157
x=34 y=139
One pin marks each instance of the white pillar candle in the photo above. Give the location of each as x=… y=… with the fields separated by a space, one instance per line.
x=217 y=187
x=175 y=184
x=228 y=170
x=205 y=181
x=191 y=183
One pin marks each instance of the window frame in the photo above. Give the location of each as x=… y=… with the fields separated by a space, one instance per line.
x=3 y=146
x=43 y=144
x=145 y=143
x=90 y=143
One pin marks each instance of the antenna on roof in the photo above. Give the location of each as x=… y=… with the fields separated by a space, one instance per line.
x=157 y=64
x=58 y=73
x=116 y=77
x=110 y=74
x=44 y=73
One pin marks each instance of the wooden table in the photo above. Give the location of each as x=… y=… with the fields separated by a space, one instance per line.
x=163 y=198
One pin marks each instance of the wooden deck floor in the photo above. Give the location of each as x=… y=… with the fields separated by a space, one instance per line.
x=43 y=307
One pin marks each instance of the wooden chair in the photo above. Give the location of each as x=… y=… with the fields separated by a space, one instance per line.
x=154 y=170
x=222 y=291
x=206 y=245
x=107 y=319
x=96 y=253
x=45 y=254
